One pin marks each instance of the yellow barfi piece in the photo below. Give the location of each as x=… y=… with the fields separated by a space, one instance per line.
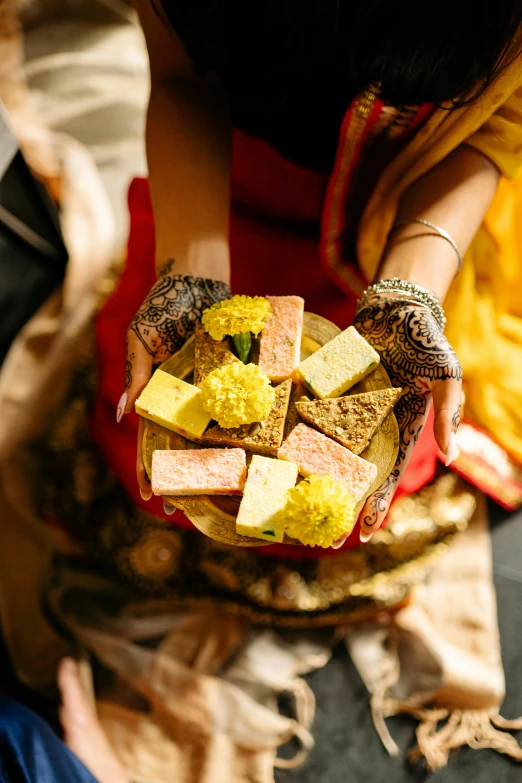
x=264 y=498
x=338 y=365
x=174 y=404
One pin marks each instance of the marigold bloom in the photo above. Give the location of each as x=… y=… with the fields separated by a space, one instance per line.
x=319 y=511
x=237 y=394
x=235 y=316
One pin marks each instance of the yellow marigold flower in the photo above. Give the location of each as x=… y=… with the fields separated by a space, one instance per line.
x=237 y=394
x=236 y=316
x=319 y=511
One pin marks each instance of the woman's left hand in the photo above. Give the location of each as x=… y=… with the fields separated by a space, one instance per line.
x=418 y=358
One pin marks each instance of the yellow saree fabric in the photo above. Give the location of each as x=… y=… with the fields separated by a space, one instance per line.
x=484 y=304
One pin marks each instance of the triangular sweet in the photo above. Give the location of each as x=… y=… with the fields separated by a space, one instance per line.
x=210 y=354
x=351 y=420
x=299 y=394
x=265 y=438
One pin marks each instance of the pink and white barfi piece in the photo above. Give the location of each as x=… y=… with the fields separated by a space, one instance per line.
x=314 y=453
x=280 y=346
x=198 y=472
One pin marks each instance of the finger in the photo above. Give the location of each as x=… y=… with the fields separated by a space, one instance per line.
x=141 y=474
x=447 y=402
x=411 y=411
x=75 y=706
x=340 y=541
x=376 y=507
x=137 y=375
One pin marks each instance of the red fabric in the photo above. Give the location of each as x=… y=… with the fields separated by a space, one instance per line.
x=355 y=175
x=274 y=249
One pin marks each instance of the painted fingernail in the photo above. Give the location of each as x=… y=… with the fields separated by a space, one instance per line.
x=453 y=450
x=121 y=406
x=169 y=510
x=365 y=539
x=145 y=495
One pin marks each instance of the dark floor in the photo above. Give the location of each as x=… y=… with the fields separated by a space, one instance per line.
x=347 y=748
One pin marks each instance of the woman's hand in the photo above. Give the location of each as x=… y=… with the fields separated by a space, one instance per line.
x=164 y=322
x=418 y=358
x=454 y=195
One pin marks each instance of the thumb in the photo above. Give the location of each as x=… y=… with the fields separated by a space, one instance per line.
x=138 y=369
x=447 y=403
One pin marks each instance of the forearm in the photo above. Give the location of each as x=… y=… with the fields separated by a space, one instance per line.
x=188 y=150
x=455 y=195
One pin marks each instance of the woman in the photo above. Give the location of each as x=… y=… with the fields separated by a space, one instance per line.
x=293 y=148
x=311 y=150
x=340 y=94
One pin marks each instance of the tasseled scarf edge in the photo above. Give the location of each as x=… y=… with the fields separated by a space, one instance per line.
x=478 y=729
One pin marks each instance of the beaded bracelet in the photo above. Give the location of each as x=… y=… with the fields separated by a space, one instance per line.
x=414 y=292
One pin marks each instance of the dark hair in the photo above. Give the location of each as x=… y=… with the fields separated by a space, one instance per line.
x=439 y=51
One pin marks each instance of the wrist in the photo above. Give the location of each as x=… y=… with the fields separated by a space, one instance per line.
x=208 y=259
x=422 y=257
x=402 y=292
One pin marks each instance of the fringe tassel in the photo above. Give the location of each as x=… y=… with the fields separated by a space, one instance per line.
x=388 y=678
x=307 y=743
x=304 y=702
x=476 y=728
x=305 y=711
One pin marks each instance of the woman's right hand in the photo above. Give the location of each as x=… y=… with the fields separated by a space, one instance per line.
x=164 y=322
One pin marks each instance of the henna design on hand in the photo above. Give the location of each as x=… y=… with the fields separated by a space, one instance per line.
x=168 y=316
x=131 y=355
x=167 y=267
x=410 y=339
x=415 y=353
x=456 y=418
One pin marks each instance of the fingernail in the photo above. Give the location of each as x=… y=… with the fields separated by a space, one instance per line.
x=121 y=406
x=169 y=510
x=338 y=544
x=365 y=539
x=453 y=450
x=145 y=495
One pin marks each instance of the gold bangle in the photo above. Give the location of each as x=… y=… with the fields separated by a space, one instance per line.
x=439 y=231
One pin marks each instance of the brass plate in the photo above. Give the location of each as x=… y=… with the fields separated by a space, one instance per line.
x=215 y=516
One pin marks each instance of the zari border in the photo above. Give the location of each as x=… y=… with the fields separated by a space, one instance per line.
x=357 y=125
x=488 y=466
x=366 y=118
